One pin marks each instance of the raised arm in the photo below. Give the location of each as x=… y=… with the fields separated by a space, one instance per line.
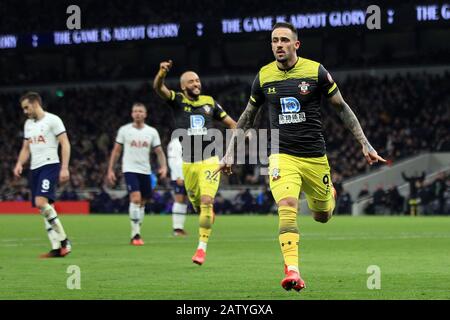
x=158 y=82
x=23 y=157
x=64 y=174
x=422 y=177
x=405 y=177
x=351 y=122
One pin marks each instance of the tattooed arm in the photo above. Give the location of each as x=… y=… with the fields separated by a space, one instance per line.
x=247 y=118
x=245 y=122
x=352 y=123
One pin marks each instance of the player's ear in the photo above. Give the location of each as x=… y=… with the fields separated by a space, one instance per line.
x=297 y=44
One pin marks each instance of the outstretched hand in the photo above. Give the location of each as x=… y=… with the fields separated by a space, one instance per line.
x=225 y=168
x=371 y=155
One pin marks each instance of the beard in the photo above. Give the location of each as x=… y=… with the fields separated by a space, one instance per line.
x=284 y=59
x=193 y=94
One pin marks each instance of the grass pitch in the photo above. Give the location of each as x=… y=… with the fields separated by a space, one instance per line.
x=243 y=259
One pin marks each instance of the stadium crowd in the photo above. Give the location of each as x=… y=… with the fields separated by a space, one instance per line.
x=432 y=198
x=396 y=121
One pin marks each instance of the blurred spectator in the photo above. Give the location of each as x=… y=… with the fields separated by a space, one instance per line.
x=395 y=202
x=379 y=201
x=244 y=202
x=102 y=202
x=68 y=194
x=265 y=202
x=364 y=192
x=415 y=183
x=439 y=188
x=222 y=205
x=344 y=203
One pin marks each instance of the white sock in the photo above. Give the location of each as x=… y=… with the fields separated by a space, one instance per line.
x=52 y=235
x=52 y=218
x=135 y=217
x=293 y=268
x=202 y=245
x=141 y=214
x=179 y=215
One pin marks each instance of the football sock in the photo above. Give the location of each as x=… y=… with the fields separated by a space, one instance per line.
x=179 y=215
x=52 y=235
x=52 y=218
x=289 y=236
x=141 y=215
x=205 y=220
x=289 y=249
x=202 y=245
x=135 y=216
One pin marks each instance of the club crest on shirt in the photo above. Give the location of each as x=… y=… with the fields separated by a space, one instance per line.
x=304 y=87
x=207 y=109
x=275 y=174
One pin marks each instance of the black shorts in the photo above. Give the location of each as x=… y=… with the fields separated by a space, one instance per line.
x=139 y=182
x=178 y=189
x=44 y=181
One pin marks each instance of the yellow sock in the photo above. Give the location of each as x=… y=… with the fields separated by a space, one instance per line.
x=289 y=248
x=205 y=221
x=289 y=236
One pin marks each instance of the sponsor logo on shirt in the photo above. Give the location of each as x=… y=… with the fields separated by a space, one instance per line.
x=197 y=125
x=38 y=139
x=139 y=144
x=290 y=111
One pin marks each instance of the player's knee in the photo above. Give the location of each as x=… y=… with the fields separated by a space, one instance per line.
x=205 y=221
x=40 y=202
x=322 y=217
x=206 y=200
x=135 y=197
x=287 y=219
x=288 y=202
x=179 y=198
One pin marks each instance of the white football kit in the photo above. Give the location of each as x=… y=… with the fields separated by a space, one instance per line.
x=43 y=137
x=175 y=159
x=137 y=144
